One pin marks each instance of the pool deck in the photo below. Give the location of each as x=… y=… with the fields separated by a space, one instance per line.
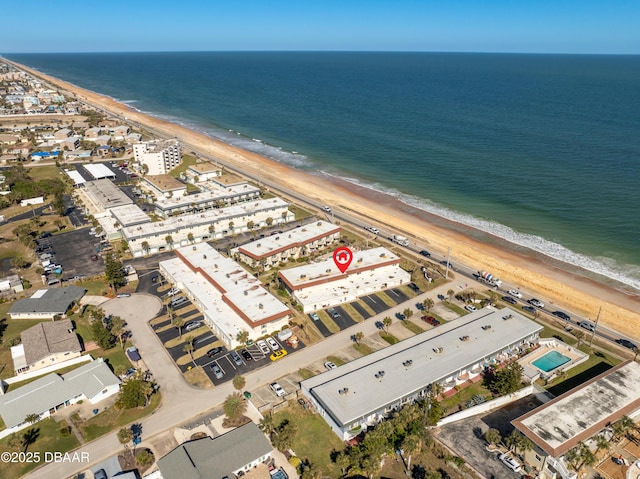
x=546 y=345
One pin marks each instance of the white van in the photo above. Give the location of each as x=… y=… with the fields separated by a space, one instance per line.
x=510 y=462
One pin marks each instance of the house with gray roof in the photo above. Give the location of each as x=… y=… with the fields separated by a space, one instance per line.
x=228 y=455
x=45 y=344
x=46 y=303
x=92 y=382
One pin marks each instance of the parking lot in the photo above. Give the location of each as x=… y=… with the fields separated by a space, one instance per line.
x=204 y=339
x=75 y=261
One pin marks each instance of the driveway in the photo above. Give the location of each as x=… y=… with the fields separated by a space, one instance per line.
x=321 y=327
x=376 y=304
x=396 y=295
x=343 y=320
x=358 y=307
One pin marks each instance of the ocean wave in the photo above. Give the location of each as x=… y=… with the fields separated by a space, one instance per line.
x=624 y=273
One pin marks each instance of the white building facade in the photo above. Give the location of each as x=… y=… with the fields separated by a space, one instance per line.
x=159 y=156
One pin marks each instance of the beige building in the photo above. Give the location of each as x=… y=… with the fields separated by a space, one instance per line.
x=159 y=156
x=163 y=186
x=204 y=171
x=299 y=242
x=45 y=344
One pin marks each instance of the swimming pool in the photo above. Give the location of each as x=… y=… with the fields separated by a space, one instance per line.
x=550 y=361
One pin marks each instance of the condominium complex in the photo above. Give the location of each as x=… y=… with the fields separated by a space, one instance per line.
x=299 y=242
x=188 y=229
x=361 y=393
x=320 y=285
x=230 y=298
x=159 y=156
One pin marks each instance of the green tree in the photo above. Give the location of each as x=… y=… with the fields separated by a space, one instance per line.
x=145 y=247
x=250 y=225
x=284 y=435
x=234 y=406
x=450 y=294
x=169 y=240
x=177 y=323
x=267 y=425
x=408 y=312
x=428 y=304
x=190 y=237
x=506 y=380
x=145 y=458
x=239 y=382
x=118 y=329
x=32 y=418
x=411 y=445
x=58 y=203
x=125 y=436
x=359 y=336
x=133 y=393
x=242 y=337
x=386 y=321
x=343 y=461
x=492 y=436
x=114 y=273
x=269 y=221
x=601 y=443
x=102 y=335
x=189 y=346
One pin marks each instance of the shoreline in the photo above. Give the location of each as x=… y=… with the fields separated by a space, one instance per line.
x=555 y=281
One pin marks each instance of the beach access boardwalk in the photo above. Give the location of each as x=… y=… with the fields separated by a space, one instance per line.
x=182 y=402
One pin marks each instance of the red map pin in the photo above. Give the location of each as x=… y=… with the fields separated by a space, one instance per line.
x=342 y=258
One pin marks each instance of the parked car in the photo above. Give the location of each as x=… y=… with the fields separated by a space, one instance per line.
x=536 y=302
x=515 y=293
x=280 y=353
x=414 y=287
x=264 y=347
x=562 y=315
x=214 y=351
x=509 y=299
x=334 y=314
x=192 y=325
x=510 y=462
x=431 y=320
x=273 y=344
x=529 y=309
x=133 y=354
x=217 y=372
x=330 y=365
x=173 y=292
x=246 y=355
x=236 y=358
x=471 y=308
x=277 y=389
x=314 y=316
x=177 y=301
x=100 y=474
x=626 y=343
x=587 y=325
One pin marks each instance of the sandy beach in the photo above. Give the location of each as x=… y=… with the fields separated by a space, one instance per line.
x=553 y=282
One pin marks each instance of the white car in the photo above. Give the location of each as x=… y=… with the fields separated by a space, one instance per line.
x=277 y=389
x=273 y=344
x=173 y=292
x=373 y=230
x=326 y=209
x=264 y=348
x=471 y=308
x=515 y=293
x=510 y=462
x=536 y=302
x=330 y=365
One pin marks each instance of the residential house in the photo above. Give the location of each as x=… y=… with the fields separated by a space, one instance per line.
x=46 y=303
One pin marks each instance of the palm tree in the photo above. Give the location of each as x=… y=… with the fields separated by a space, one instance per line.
x=145 y=247
x=269 y=221
x=411 y=445
x=267 y=425
x=601 y=443
x=493 y=437
x=239 y=382
x=189 y=347
x=579 y=335
x=359 y=336
x=169 y=240
x=343 y=461
x=512 y=441
x=231 y=225
x=250 y=225
x=234 y=406
x=387 y=322
x=124 y=436
x=428 y=304
x=178 y=322
x=450 y=294
x=190 y=237
x=118 y=329
x=243 y=337
x=32 y=418
x=212 y=229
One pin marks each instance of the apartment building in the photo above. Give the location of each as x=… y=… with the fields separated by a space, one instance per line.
x=159 y=156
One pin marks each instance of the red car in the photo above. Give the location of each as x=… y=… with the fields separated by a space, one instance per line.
x=431 y=320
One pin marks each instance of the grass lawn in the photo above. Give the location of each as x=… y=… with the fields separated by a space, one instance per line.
x=363 y=349
x=49 y=438
x=314 y=441
x=390 y=338
x=328 y=322
x=549 y=332
x=114 y=356
x=187 y=161
x=352 y=312
x=197 y=377
x=94 y=287
x=411 y=326
x=114 y=418
x=336 y=360
x=38 y=173
x=386 y=299
x=597 y=363
x=299 y=212
x=452 y=404
x=306 y=373
x=455 y=308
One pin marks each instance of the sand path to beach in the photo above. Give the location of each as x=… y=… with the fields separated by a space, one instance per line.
x=552 y=283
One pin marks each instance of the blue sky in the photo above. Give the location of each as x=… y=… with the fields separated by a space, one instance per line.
x=541 y=26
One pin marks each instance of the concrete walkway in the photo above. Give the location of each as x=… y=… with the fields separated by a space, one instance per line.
x=181 y=401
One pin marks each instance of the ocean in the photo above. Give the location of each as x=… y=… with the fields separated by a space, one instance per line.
x=540 y=150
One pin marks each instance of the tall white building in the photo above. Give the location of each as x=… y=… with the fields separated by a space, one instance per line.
x=159 y=156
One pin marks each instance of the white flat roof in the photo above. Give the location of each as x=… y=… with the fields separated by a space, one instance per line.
x=211 y=192
x=177 y=223
x=239 y=289
x=105 y=194
x=77 y=178
x=129 y=215
x=560 y=424
x=99 y=171
x=326 y=271
x=368 y=393
x=265 y=247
